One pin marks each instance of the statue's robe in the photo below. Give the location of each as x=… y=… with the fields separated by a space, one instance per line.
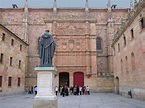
x=46 y=49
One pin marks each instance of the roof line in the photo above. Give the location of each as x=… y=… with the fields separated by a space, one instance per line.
x=14 y=34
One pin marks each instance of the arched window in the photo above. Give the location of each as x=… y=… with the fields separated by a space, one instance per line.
x=132 y=61
x=99 y=44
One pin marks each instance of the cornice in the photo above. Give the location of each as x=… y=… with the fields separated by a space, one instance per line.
x=71 y=18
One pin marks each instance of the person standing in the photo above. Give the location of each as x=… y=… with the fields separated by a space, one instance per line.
x=80 y=89
x=63 y=91
x=31 y=89
x=60 y=90
x=71 y=90
x=83 y=90
x=35 y=89
x=56 y=90
x=75 y=90
x=88 y=90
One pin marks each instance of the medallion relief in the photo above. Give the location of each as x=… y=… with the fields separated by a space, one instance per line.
x=64 y=45
x=71 y=44
x=78 y=45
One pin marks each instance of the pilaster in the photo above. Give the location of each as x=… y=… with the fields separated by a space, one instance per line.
x=88 y=58
x=25 y=23
x=110 y=35
x=54 y=7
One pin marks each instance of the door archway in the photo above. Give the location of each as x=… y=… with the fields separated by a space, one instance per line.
x=64 y=79
x=79 y=78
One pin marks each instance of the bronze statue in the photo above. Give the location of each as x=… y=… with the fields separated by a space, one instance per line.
x=46 y=49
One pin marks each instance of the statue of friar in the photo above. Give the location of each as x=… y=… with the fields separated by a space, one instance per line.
x=46 y=49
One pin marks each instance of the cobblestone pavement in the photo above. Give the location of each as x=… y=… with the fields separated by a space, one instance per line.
x=95 y=100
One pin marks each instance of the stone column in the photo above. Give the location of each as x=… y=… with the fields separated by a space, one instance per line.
x=88 y=59
x=71 y=79
x=45 y=97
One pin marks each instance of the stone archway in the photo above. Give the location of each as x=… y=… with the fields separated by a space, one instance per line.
x=64 y=79
x=79 y=78
x=116 y=81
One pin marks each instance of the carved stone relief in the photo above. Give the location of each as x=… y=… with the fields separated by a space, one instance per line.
x=64 y=45
x=70 y=28
x=78 y=45
x=71 y=44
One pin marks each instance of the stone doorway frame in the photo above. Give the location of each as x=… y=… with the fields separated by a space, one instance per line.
x=64 y=76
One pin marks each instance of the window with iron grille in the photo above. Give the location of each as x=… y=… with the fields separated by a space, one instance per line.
x=99 y=44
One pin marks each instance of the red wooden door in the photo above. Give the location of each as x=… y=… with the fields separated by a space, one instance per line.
x=79 y=78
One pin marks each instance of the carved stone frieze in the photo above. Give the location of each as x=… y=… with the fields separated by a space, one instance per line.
x=70 y=16
x=70 y=28
x=71 y=68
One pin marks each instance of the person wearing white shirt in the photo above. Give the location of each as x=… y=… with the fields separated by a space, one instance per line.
x=88 y=90
x=56 y=90
x=80 y=89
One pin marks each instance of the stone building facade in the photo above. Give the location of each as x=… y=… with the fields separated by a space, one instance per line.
x=13 y=53
x=84 y=55
x=129 y=54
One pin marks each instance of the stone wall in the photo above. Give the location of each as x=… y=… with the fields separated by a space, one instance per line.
x=17 y=68
x=128 y=62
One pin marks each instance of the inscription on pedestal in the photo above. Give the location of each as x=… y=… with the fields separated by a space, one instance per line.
x=45 y=84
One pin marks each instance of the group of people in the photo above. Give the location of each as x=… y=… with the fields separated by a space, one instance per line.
x=33 y=89
x=72 y=90
x=66 y=91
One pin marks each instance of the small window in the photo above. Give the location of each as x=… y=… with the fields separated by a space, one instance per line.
x=124 y=41
x=133 y=61
x=0 y=81
x=118 y=47
x=142 y=21
x=132 y=33
x=1 y=58
x=99 y=44
x=3 y=37
x=11 y=61
x=121 y=66
x=19 y=63
x=20 y=47
x=10 y=81
x=19 y=81
x=12 y=42
x=126 y=64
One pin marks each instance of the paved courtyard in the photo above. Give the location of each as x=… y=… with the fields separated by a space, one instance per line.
x=95 y=100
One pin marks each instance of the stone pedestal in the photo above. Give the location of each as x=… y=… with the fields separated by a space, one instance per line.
x=45 y=97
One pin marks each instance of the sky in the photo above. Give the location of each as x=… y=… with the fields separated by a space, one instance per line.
x=64 y=3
